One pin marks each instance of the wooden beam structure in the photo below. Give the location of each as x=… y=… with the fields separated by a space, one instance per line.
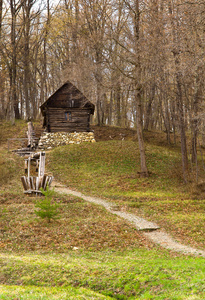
x=33 y=184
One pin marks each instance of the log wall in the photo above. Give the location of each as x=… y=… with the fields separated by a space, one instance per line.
x=77 y=120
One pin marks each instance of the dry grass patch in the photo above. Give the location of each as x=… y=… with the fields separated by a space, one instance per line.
x=7 y=130
x=11 y=168
x=183 y=218
x=81 y=225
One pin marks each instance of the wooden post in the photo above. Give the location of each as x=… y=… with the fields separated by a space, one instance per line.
x=41 y=168
x=30 y=134
x=29 y=166
x=26 y=166
x=23 y=180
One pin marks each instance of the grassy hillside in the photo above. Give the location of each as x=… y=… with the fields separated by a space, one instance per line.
x=88 y=253
x=110 y=169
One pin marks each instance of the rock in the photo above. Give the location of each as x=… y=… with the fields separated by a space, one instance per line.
x=50 y=140
x=90 y=134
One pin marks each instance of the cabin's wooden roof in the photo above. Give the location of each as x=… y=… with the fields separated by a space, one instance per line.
x=68 y=88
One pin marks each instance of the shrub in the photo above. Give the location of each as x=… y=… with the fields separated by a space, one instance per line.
x=46 y=208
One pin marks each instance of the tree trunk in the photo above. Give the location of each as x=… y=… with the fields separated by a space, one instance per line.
x=179 y=97
x=138 y=93
x=167 y=120
x=26 y=59
x=98 y=77
x=1 y=13
x=45 y=75
x=14 y=100
x=195 y=121
x=185 y=166
x=143 y=165
x=118 y=102
x=110 y=108
x=149 y=107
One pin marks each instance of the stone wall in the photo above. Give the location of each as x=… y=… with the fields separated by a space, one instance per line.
x=51 y=140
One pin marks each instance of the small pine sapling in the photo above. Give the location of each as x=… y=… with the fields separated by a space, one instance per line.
x=46 y=208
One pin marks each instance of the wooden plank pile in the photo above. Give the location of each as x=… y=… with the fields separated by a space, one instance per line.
x=33 y=184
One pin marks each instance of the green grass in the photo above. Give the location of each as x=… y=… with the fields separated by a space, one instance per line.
x=44 y=293
x=112 y=171
x=139 y=274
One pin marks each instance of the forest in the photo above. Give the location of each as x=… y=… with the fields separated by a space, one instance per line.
x=141 y=62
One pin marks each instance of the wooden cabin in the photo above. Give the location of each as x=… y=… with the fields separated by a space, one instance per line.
x=67 y=110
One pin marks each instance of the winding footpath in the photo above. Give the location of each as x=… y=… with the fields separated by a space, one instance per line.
x=149 y=229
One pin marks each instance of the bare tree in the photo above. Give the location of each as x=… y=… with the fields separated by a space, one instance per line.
x=14 y=9
x=174 y=20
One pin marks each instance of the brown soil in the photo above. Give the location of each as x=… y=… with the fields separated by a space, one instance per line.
x=107 y=133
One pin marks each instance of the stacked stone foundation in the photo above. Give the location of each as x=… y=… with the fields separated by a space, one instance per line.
x=49 y=140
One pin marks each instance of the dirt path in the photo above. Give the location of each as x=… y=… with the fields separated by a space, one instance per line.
x=149 y=229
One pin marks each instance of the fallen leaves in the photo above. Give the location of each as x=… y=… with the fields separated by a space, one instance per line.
x=81 y=226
